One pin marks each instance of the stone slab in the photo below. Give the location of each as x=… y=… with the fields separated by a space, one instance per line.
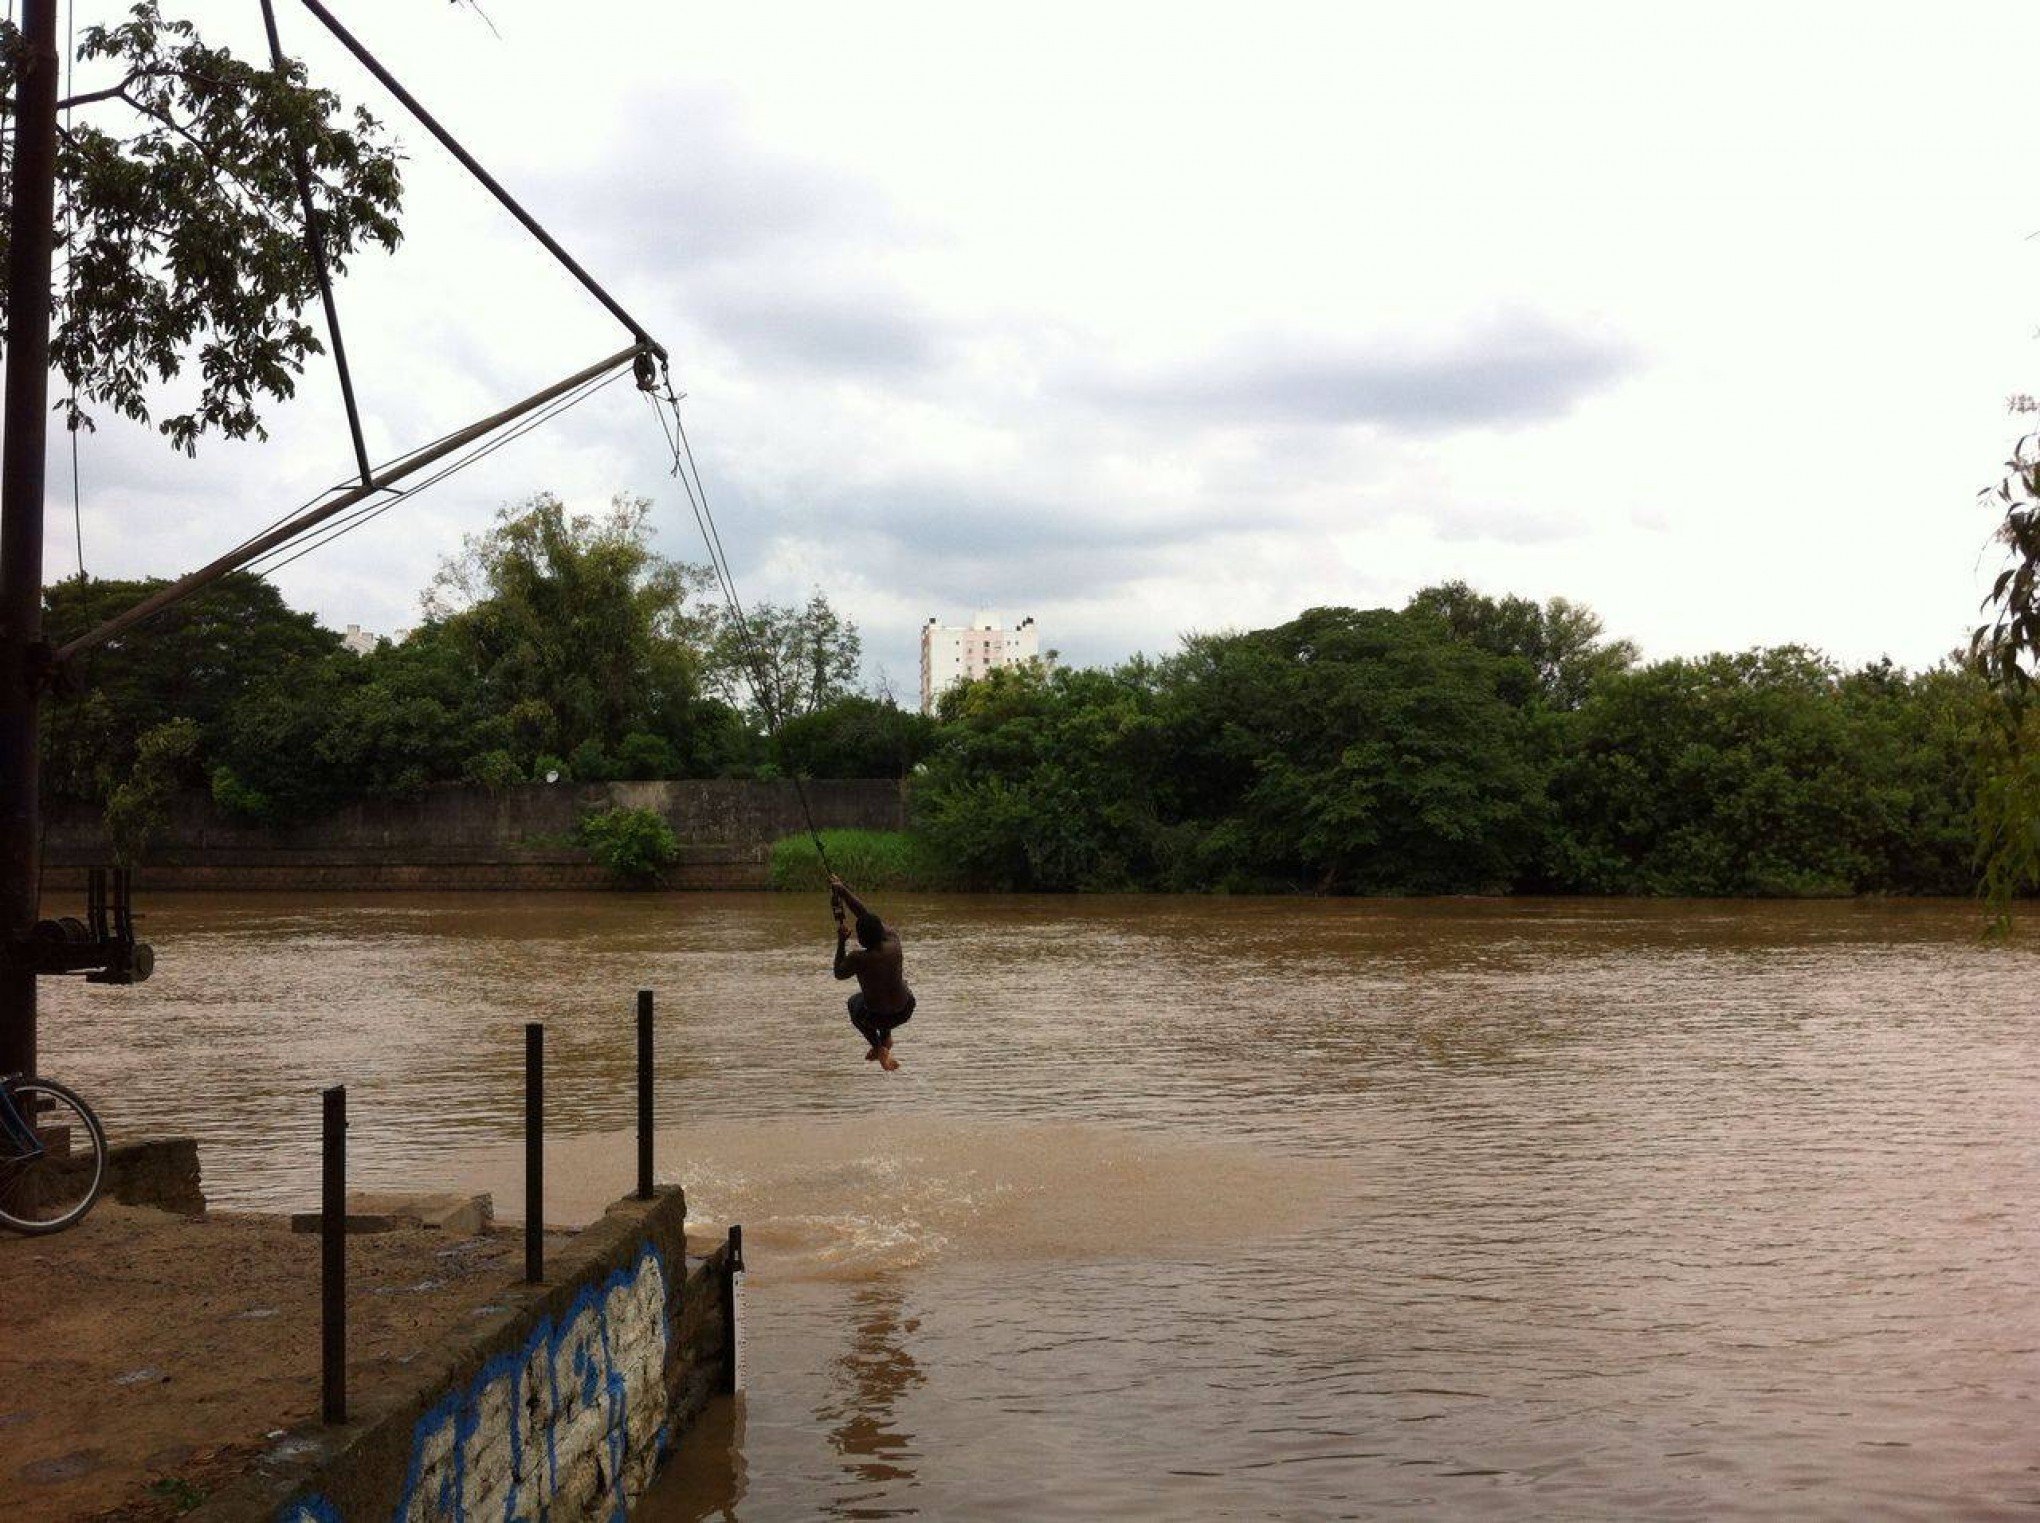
x=367 y=1211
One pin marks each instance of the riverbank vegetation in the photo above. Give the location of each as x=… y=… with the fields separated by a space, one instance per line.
x=877 y=859
x=1460 y=744
x=636 y=845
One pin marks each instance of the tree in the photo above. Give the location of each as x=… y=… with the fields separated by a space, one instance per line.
x=789 y=661
x=1560 y=641
x=2004 y=651
x=182 y=225
x=636 y=845
x=856 y=737
x=1769 y=773
x=1047 y=780
x=569 y=627
x=194 y=661
x=1360 y=752
x=1344 y=751
x=1916 y=737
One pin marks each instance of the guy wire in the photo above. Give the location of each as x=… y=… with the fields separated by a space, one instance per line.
x=322 y=534
x=704 y=519
x=367 y=512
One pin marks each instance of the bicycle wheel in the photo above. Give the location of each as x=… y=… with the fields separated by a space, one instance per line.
x=49 y=1189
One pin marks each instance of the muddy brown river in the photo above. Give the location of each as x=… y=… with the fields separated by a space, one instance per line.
x=1209 y=1208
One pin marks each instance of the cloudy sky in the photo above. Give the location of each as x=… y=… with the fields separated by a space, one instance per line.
x=1149 y=318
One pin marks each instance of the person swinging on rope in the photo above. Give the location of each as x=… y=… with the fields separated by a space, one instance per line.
x=883 y=1001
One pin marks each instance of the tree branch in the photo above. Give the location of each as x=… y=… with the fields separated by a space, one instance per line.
x=119 y=91
x=95 y=95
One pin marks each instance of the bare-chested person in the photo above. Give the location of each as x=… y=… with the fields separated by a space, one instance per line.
x=882 y=1001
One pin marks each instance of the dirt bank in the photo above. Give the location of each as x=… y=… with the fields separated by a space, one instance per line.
x=145 y=1358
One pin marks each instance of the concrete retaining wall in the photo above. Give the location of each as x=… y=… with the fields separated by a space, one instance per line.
x=161 y=1172
x=560 y=1407
x=470 y=838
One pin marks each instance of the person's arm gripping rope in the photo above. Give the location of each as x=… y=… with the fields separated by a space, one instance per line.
x=846 y=961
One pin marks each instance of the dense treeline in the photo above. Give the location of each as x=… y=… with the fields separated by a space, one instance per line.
x=1460 y=744
x=555 y=646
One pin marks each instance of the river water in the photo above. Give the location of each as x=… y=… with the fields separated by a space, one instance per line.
x=1209 y=1208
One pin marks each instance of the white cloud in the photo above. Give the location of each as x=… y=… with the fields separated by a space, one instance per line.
x=1149 y=318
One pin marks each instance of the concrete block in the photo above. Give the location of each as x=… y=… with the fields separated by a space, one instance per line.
x=355 y=1224
x=160 y=1172
x=464 y=1215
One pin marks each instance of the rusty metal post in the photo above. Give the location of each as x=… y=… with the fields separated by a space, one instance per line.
x=31 y=234
x=333 y=1259
x=644 y=1094
x=534 y=1151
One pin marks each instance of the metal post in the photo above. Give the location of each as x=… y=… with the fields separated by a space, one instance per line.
x=315 y=245
x=333 y=1260
x=534 y=1152
x=644 y=1094
x=31 y=231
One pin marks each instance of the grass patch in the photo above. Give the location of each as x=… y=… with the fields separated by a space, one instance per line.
x=867 y=859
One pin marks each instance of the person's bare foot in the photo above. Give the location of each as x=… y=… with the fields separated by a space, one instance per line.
x=888 y=1062
x=872 y=1056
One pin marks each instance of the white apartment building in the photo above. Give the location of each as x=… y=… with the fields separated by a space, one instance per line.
x=362 y=641
x=950 y=653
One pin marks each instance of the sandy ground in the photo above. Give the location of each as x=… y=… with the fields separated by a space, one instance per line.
x=145 y=1358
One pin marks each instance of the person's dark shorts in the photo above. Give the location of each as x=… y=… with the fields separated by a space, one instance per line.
x=878 y=1029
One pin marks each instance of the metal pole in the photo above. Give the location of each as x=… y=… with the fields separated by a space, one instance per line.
x=233 y=560
x=31 y=232
x=452 y=145
x=333 y=1260
x=534 y=1152
x=316 y=246
x=644 y=1094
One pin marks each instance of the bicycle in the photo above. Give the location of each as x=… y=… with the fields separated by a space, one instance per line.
x=52 y=1156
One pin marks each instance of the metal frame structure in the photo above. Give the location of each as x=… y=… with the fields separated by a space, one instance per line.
x=27 y=663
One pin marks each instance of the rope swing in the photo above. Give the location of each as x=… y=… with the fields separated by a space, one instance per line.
x=664 y=402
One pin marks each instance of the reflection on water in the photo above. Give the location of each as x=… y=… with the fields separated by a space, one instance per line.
x=861 y=1411
x=705 y=1478
x=1218 y=1207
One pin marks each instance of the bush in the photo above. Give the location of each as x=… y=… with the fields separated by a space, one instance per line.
x=634 y=844
x=493 y=770
x=874 y=859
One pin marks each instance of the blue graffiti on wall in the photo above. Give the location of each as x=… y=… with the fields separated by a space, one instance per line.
x=563 y=1424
